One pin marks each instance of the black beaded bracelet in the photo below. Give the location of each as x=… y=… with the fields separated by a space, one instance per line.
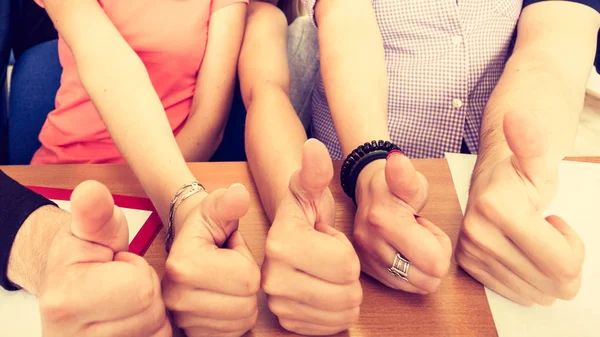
x=358 y=159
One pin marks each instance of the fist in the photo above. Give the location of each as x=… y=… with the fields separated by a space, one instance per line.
x=91 y=285
x=389 y=195
x=211 y=279
x=506 y=242
x=311 y=271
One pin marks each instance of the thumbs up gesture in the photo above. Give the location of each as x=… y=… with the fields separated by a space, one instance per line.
x=91 y=285
x=211 y=279
x=311 y=270
x=389 y=194
x=505 y=241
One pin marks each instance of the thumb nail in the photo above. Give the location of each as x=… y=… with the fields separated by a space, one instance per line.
x=394 y=152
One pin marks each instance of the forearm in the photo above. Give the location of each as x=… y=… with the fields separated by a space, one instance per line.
x=354 y=72
x=203 y=132
x=274 y=133
x=120 y=88
x=274 y=140
x=30 y=248
x=536 y=89
x=546 y=77
x=198 y=139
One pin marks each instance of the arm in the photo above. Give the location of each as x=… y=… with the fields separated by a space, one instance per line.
x=349 y=38
x=529 y=125
x=119 y=86
x=203 y=131
x=293 y=181
x=28 y=223
x=274 y=134
x=546 y=76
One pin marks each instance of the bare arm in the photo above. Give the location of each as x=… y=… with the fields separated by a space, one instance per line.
x=120 y=88
x=274 y=134
x=354 y=70
x=203 y=131
x=546 y=76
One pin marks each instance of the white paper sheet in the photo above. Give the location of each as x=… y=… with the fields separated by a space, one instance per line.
x=19 y=315
x=578 y=202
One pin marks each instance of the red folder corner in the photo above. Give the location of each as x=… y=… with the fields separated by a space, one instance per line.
x=141 y=242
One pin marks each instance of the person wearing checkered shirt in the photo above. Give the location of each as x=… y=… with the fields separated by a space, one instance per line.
x=432 y=77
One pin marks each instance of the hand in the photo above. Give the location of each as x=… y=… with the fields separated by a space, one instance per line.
x=505 y=241
x=389 y=195
x=211 y=291
x=91 y=285
x=311 y=271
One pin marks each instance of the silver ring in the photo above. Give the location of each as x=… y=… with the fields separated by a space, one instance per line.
x=400 y=267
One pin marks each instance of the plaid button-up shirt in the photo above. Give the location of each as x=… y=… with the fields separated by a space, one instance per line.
x=444 y=58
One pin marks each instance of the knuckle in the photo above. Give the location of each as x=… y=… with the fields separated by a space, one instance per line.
x=249 y=308
x=472 y=232
x=276 y=307
x=354 y=296
x=251 y=281
x=146 y=294
x=361 y=238
x=289 y=325
x=354 y=315
x=568 y=291
x=250 y=321
x=567 y=272
x=274 y=249
x=176 y=271
x=349 y=265
x=544 y=300
x=376 y=217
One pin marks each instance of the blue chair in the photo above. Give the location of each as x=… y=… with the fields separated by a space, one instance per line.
x=5 y=42
x=35 y=81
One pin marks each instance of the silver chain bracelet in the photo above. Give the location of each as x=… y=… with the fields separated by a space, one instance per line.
x=189 y=189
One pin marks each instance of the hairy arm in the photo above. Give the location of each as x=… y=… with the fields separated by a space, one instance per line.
x=546 y=76
x=203 y=131
x=29 y=251
x=274 y=133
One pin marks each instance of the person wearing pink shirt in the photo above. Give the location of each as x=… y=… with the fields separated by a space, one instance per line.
x=150 y=83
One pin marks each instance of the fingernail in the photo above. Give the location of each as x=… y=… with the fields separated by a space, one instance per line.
x=393 y=152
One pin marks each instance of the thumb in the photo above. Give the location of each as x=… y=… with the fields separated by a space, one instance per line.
x=316 y=172
x=405 y=182
x=528 y=143
x=96 y=219
x=218 y=215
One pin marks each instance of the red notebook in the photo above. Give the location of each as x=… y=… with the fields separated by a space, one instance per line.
x=143 y=220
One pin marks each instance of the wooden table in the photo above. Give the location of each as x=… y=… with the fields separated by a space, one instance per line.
x=459 y=308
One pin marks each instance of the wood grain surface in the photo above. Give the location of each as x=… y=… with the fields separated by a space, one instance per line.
x=459 y=308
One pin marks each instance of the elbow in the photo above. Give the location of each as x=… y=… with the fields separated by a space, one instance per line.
x=263 y=89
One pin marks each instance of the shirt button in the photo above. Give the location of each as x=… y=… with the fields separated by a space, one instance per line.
x=457 y=103
x=457 y=40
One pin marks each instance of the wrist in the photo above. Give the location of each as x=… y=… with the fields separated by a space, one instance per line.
x=366 y=175
x=28 y=255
